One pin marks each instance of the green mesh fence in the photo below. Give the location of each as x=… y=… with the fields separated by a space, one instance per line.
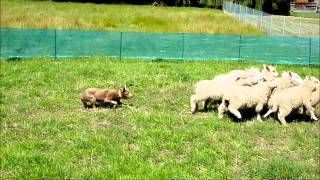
x=76 y=43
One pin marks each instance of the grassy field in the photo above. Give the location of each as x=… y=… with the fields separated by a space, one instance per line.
x=46 y=133
x=39 y=14
x=306 y=14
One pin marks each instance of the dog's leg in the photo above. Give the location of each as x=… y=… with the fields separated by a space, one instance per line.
x=92 y=100
x=114 y=103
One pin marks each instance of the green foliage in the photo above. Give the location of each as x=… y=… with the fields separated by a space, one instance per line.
x=46 y=133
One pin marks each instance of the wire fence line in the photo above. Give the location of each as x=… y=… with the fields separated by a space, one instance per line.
x=80 y=43
x=273 y=24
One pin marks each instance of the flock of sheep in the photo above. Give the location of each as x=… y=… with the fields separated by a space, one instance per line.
x=250 y=88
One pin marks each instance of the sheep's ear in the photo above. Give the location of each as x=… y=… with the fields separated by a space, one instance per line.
x=290 y=74
x=268 y=68
x=237 y=78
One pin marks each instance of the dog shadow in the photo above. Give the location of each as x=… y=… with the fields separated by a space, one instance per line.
x=104 y=105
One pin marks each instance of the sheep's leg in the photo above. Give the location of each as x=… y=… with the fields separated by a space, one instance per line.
x=259 y=108
x=235 y=111
x=282 y=114
x=301 y=110
x=194 y=104
x=311 y=110
x=206 y=103
x=221 y=109
x=274 y=109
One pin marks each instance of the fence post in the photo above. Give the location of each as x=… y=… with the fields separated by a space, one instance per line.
x=182 y=53
x=284 y=24
x=270 y=32
x=309 y=51
x=245 y=19
x=254 y=18
x=55 y=44
x=120 y=50
x=300 y=27
x=239 y=12
x=261 y=21
x=239 y=52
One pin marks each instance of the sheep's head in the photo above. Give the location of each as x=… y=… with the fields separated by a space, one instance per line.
x=270 y=83
x=269 y=72
x=294 y=78
x=311 y=82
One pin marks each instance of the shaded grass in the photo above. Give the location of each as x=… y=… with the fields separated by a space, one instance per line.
x=45 y=131
x=35 y=14
x=306 y=14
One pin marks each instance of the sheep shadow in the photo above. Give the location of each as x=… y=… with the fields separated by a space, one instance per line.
x=247 y=115
x=250 y=115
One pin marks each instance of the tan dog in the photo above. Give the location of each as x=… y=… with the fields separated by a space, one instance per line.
x=95 y=96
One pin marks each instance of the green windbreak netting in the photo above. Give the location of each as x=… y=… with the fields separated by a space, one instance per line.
x=77 y=43
x=72 y=43
x=27 y=43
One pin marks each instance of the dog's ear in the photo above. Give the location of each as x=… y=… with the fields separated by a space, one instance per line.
x=124 y=88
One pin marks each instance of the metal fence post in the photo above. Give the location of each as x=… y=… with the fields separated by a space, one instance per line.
x=300 y=27
x=120 y=48
x=239 y=12
x=254 y=18
x=284 y=24
x=239 y=52
x=55 y=44
x=261 y=21
x=309 y=51
x=270 y=32
x=245 y=19
x=182 y=53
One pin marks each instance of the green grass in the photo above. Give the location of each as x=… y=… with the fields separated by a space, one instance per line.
x=46 y=14
x=46 y=133
x=306 y=14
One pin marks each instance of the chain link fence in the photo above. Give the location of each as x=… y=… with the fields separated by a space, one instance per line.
x=273 y=24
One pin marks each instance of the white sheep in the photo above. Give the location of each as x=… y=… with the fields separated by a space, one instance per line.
x=213 y=90
x=269 y=72
x=287 y=80
x=246 y=97
x=292 y=98
x=315 y=99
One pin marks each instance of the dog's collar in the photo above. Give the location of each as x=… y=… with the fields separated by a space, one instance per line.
x=119 y=93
